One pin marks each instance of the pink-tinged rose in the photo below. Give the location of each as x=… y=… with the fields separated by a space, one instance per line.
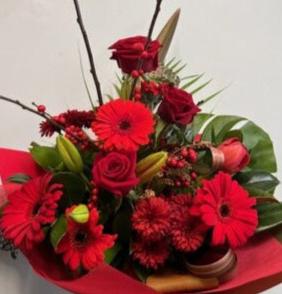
x=177 y=106
x=127 y=52
x=236 y=155
x=115 y=172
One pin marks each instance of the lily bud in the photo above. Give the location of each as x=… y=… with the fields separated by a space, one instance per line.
x=69 y=154
x=79 y=213
x=148 y=167
x=236 y=155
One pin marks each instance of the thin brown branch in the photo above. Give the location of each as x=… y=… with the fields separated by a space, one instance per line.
x=149 y=38
x=89 y=52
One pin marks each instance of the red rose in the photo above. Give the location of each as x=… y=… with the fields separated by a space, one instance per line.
x=115 y=172
x=177 y=106
x=127 y=53
x=236 y=155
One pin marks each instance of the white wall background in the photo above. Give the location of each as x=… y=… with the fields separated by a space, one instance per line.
x=237 y=42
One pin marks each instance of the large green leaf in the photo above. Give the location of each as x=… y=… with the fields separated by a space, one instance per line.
x=58 y=231
x=74 y=187
x=270 y=216
x=46 y=157
x=255 y=138
x=199 y=121
x=258 y=183
x=111 y=253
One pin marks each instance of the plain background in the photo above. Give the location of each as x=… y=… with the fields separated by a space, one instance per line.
x=237 y=43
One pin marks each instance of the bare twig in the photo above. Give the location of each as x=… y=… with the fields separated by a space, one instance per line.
x=89 y=52
x=41 y=114
x=149 y=38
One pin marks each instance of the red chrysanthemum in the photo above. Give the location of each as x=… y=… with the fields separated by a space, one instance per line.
x=76 y=118
x=187 y=231
x=151 y=255
x=226 y=207
x=123 y=125
x=84 y=244
x=151 y=218
x=28 y=210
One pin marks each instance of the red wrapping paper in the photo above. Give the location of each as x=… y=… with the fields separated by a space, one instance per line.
x=259 y=262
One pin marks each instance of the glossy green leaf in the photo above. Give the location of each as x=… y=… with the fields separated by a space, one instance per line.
x=258 y=183
x=58 y=231
x=199 y=121
x=46 y=157
x=270 y=216
x=111 y=253
x=74 y=187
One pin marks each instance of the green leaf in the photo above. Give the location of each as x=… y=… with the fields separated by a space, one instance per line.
x=74 y=187
x=58 y=231
x=199 y=121
x=233 y=134
x=270 y=216
x=111 y=253
x=258 y=183
x=212 y=96
x=220 y=125
x=46 y=157
x=260 y=144
x=187 y=85
x=141 y=272
x=122 y=223
x=200 y=87
x=19 y=178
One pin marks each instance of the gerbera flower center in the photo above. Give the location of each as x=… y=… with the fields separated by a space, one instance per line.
x=224 y=210
x=124 y=125
x=81 y=237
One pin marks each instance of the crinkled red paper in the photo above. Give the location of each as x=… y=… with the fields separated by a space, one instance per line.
x=259 y=263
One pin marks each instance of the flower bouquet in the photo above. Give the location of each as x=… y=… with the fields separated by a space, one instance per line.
x=144 y=186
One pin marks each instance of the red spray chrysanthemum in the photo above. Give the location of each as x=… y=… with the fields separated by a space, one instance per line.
x=28 y=210
x=151 y=255
x=151 y=218
x=187 y=231
x=76 y=118
x=123 y=125
x=227 y=208
x=84 y=244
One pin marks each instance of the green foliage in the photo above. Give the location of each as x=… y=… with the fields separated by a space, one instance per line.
x=270 y=216
x=256 y=139
x=46 y=157
x=58 y=231
x=258 y=183
x=74 y=188
x=19 y=178
x=111 y=253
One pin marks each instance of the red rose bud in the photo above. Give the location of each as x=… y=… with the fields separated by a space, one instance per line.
x=236 y=155
x=127 y=52
x=177 y=106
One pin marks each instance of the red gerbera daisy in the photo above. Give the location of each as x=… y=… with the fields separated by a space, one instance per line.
x=151 y=218
x=151 y=255
x=226 y=207
x=123 y=125
x=28 y=210
x=187 y=231
x=84 y=244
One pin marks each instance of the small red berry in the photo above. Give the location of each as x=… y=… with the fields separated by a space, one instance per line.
x=135 y=74
x=138 y=97
x=41 y=108
x=141 y=72
x=184 y=152
x=180 y=164
x=192 y=155
x=198 y=138
x=194 y=175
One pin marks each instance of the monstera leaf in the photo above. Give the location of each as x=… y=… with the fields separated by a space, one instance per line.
x=217 y=128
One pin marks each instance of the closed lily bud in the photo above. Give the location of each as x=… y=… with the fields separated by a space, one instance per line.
x=79 y=213
x=236 y=155
x=69 y=154
x=148 y=167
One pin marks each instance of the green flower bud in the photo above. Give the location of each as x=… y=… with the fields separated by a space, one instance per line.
x=148 y=167
x=69 y=154
x=80 y=214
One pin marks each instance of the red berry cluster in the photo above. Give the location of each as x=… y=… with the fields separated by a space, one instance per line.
x=178 y=161
x=77 y=136
x=93 y=199
x=147 y=87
